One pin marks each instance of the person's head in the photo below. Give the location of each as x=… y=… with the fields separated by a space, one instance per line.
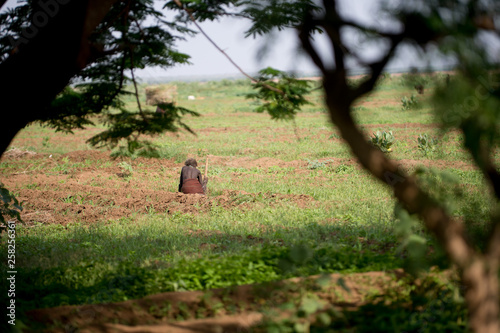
x=191 y=162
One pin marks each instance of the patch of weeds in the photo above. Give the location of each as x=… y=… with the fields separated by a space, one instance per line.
x=215 y=171
x=150 y=209
x=383 y=141
x=62 y=168
x=9 y=205
x=359 y=108
x=33 y=186
x=184 y=312
x=426 y=144
x=410 y=103
x=335 y=136
x=248 y=198
x=343 y=169
x=68 y=199
x=323 y=154
x=126 y=169
x=233 y=169
x=430 y=306
x=45 y=142
x=315 y=164
x=279 y=170
x=78 y=199
x=216 y=192
x=96 y=282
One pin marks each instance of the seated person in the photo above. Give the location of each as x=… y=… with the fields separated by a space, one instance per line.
x=191 y=181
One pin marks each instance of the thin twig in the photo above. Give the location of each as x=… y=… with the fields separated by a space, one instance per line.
x=140 y=28
x=135 y=82
x=125 y=24
x=279 y=91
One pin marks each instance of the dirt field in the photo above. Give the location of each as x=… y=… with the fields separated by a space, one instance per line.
x=100 y=190
x=97 y=192
x=90 y=187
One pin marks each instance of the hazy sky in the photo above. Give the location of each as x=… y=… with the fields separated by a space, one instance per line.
x=228 y=33
x=229 y=36
x=284 y=55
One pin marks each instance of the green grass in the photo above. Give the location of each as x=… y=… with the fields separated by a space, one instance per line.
x=348 y=224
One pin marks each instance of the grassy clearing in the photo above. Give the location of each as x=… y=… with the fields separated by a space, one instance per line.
x=347 y=223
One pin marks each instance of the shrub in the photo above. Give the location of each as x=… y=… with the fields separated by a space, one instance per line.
x=383 y=141
x=9 y=207
x=426 y=143
x=410 y=103
x=315 y=164
x=126 y=169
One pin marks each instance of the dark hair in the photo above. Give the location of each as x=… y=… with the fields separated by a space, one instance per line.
x=191 y=162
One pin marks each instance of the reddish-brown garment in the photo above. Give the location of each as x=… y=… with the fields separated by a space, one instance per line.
x=190 y=181
x=192 y=186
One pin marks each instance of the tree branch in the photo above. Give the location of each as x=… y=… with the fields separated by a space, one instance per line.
x=376 y=69
x=304 y=36
x=448 y=231
x=135 y=84
x=493 y=251
x=332 y=24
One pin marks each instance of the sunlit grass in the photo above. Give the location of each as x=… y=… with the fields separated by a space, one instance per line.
x=344 y=209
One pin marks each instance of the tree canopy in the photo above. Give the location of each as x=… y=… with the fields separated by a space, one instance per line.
x=62 y=63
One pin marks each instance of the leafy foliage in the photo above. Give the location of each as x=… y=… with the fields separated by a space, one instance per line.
x=383 y=141
x=130 y=126
x=473 y=106
x=97 y=282
x=10 y=207
x=133 y=35
x=410 y=308
x=203 y=10
x=283 y=94
x=410 y=103
x=276 y=14
x=426 y=144
x=315 y=164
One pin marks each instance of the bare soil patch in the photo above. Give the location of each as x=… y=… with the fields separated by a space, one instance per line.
x=91 y=187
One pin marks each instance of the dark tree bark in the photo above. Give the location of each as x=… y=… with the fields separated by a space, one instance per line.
x=41 y=66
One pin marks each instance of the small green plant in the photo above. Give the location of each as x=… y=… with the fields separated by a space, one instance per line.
x=33 y=186
x=315 y=164
x=68 y=199
x=410 y=103
x=426 y=143
x=383 y=141
x=342 y=168
x=45 y=142
x=62 y=167
x=126 y=169
x=334 y=136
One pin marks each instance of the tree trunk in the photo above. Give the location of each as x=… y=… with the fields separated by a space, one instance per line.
x=479 y=273
x=482 y=295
